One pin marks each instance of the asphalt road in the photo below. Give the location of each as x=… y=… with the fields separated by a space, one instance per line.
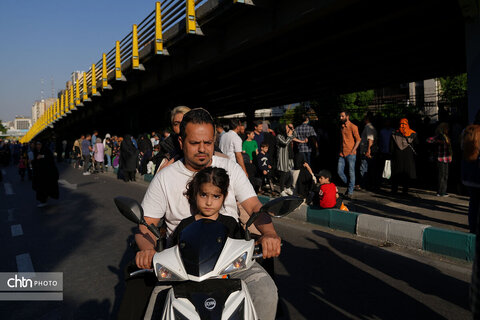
x=321 y=274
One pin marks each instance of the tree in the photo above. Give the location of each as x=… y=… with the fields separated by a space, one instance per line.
x=293 y=115
x=3 y=129
x=454 y=88
x=356 y=103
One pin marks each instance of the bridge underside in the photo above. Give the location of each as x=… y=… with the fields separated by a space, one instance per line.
x=278 y=52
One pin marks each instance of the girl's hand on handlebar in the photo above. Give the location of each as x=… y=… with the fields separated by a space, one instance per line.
x=144 y=258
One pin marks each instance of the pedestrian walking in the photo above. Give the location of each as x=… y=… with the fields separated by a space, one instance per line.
x=286 y=134
x=368 y=152
x=444 y=155
x=22 y=165
x=305 y=132
x=231 y=143
x=348 y=152
x=402 y=146
x=99 y=155
x=128 y=159
x=86 y=150
x=45 y=174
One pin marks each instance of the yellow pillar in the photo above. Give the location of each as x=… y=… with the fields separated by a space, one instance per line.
x=71 y=103
x=158 y=29
x=135 y=60
x=118 y=63
x=104 y=73
x=191 y=20
x=85 y=88
x=62 y=105
x=94 y=81
x=77 y=92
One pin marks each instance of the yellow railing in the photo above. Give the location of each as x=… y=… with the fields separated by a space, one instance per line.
x=166 y=14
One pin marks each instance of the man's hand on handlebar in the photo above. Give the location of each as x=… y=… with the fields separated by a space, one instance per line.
x=144 y=258
x=271 y=245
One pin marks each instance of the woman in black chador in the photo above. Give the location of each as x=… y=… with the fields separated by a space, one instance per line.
x=45 y=174
x=128 y=159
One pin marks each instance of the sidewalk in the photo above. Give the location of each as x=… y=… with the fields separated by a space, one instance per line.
x=419 y=220
x=421 y=206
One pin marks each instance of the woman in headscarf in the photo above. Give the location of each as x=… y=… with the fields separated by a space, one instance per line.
x=286 y=134
x=444 y=156
x=128 y=158
x=285 y=137
x=402 y=146
x=45 y=174
x=145 y=148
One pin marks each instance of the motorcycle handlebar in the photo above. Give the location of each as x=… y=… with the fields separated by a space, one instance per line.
x=141 y=271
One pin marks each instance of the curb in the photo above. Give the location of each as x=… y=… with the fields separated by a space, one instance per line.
x=456 y=244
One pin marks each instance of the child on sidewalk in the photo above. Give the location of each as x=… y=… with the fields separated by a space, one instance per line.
x=206 y=193
x=250 y=146
x=265 y=166
x=328 y=192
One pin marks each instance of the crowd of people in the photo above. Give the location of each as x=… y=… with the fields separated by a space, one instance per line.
x=283 y=158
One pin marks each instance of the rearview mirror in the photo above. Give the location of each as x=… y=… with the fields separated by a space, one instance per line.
x=130 y=209
x=282 y=206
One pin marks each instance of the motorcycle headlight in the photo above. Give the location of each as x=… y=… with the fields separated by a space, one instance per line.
x=165 y=274
x=237 y=265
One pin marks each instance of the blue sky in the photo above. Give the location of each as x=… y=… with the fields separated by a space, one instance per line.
x=53 y=38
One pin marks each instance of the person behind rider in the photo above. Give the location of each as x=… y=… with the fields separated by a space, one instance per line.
x=206 y=194
x=164 y=199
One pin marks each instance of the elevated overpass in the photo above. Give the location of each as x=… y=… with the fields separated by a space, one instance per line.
x=234 y=56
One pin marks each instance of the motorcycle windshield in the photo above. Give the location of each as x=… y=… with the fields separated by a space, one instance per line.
x=201 y=244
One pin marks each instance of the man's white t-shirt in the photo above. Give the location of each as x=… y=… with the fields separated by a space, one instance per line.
x=165 y=195
x=230 y=143
x=368 y=133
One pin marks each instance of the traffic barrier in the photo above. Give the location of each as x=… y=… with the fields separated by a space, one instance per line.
x=449 y=242
x=407 y=234
x=333 y=218
x=374 y=227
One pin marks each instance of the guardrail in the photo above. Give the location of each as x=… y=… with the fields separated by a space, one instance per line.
x=151 y=29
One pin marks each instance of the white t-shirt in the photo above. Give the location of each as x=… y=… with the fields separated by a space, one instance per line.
x=368 y=133
x=164 y=196
x=230 y=143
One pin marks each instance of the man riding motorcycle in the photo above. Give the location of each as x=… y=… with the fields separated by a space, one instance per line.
x=164 y=199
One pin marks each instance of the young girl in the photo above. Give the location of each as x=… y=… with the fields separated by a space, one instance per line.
x=22 y=165
x=206 y=193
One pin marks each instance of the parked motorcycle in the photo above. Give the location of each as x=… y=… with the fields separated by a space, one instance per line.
x=197 y=274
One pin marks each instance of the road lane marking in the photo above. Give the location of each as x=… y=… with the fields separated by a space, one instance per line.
x=24 y=264
x=16 y=230
x=10 y=215
x=67 y=184
x=8 y=188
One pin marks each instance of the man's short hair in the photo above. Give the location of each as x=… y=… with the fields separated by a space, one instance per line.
x=257 y=123
x=325 y=173
x=179 y=109
x=263 y=145
x=305 y=117
x=234 y=123
x=345 y=111
x=196 y=116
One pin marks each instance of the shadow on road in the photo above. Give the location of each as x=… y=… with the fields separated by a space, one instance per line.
x=350 y=280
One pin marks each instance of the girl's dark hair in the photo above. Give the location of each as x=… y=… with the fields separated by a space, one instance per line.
x=216 y=176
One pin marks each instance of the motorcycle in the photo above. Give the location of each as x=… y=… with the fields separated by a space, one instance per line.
x=196 y=276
